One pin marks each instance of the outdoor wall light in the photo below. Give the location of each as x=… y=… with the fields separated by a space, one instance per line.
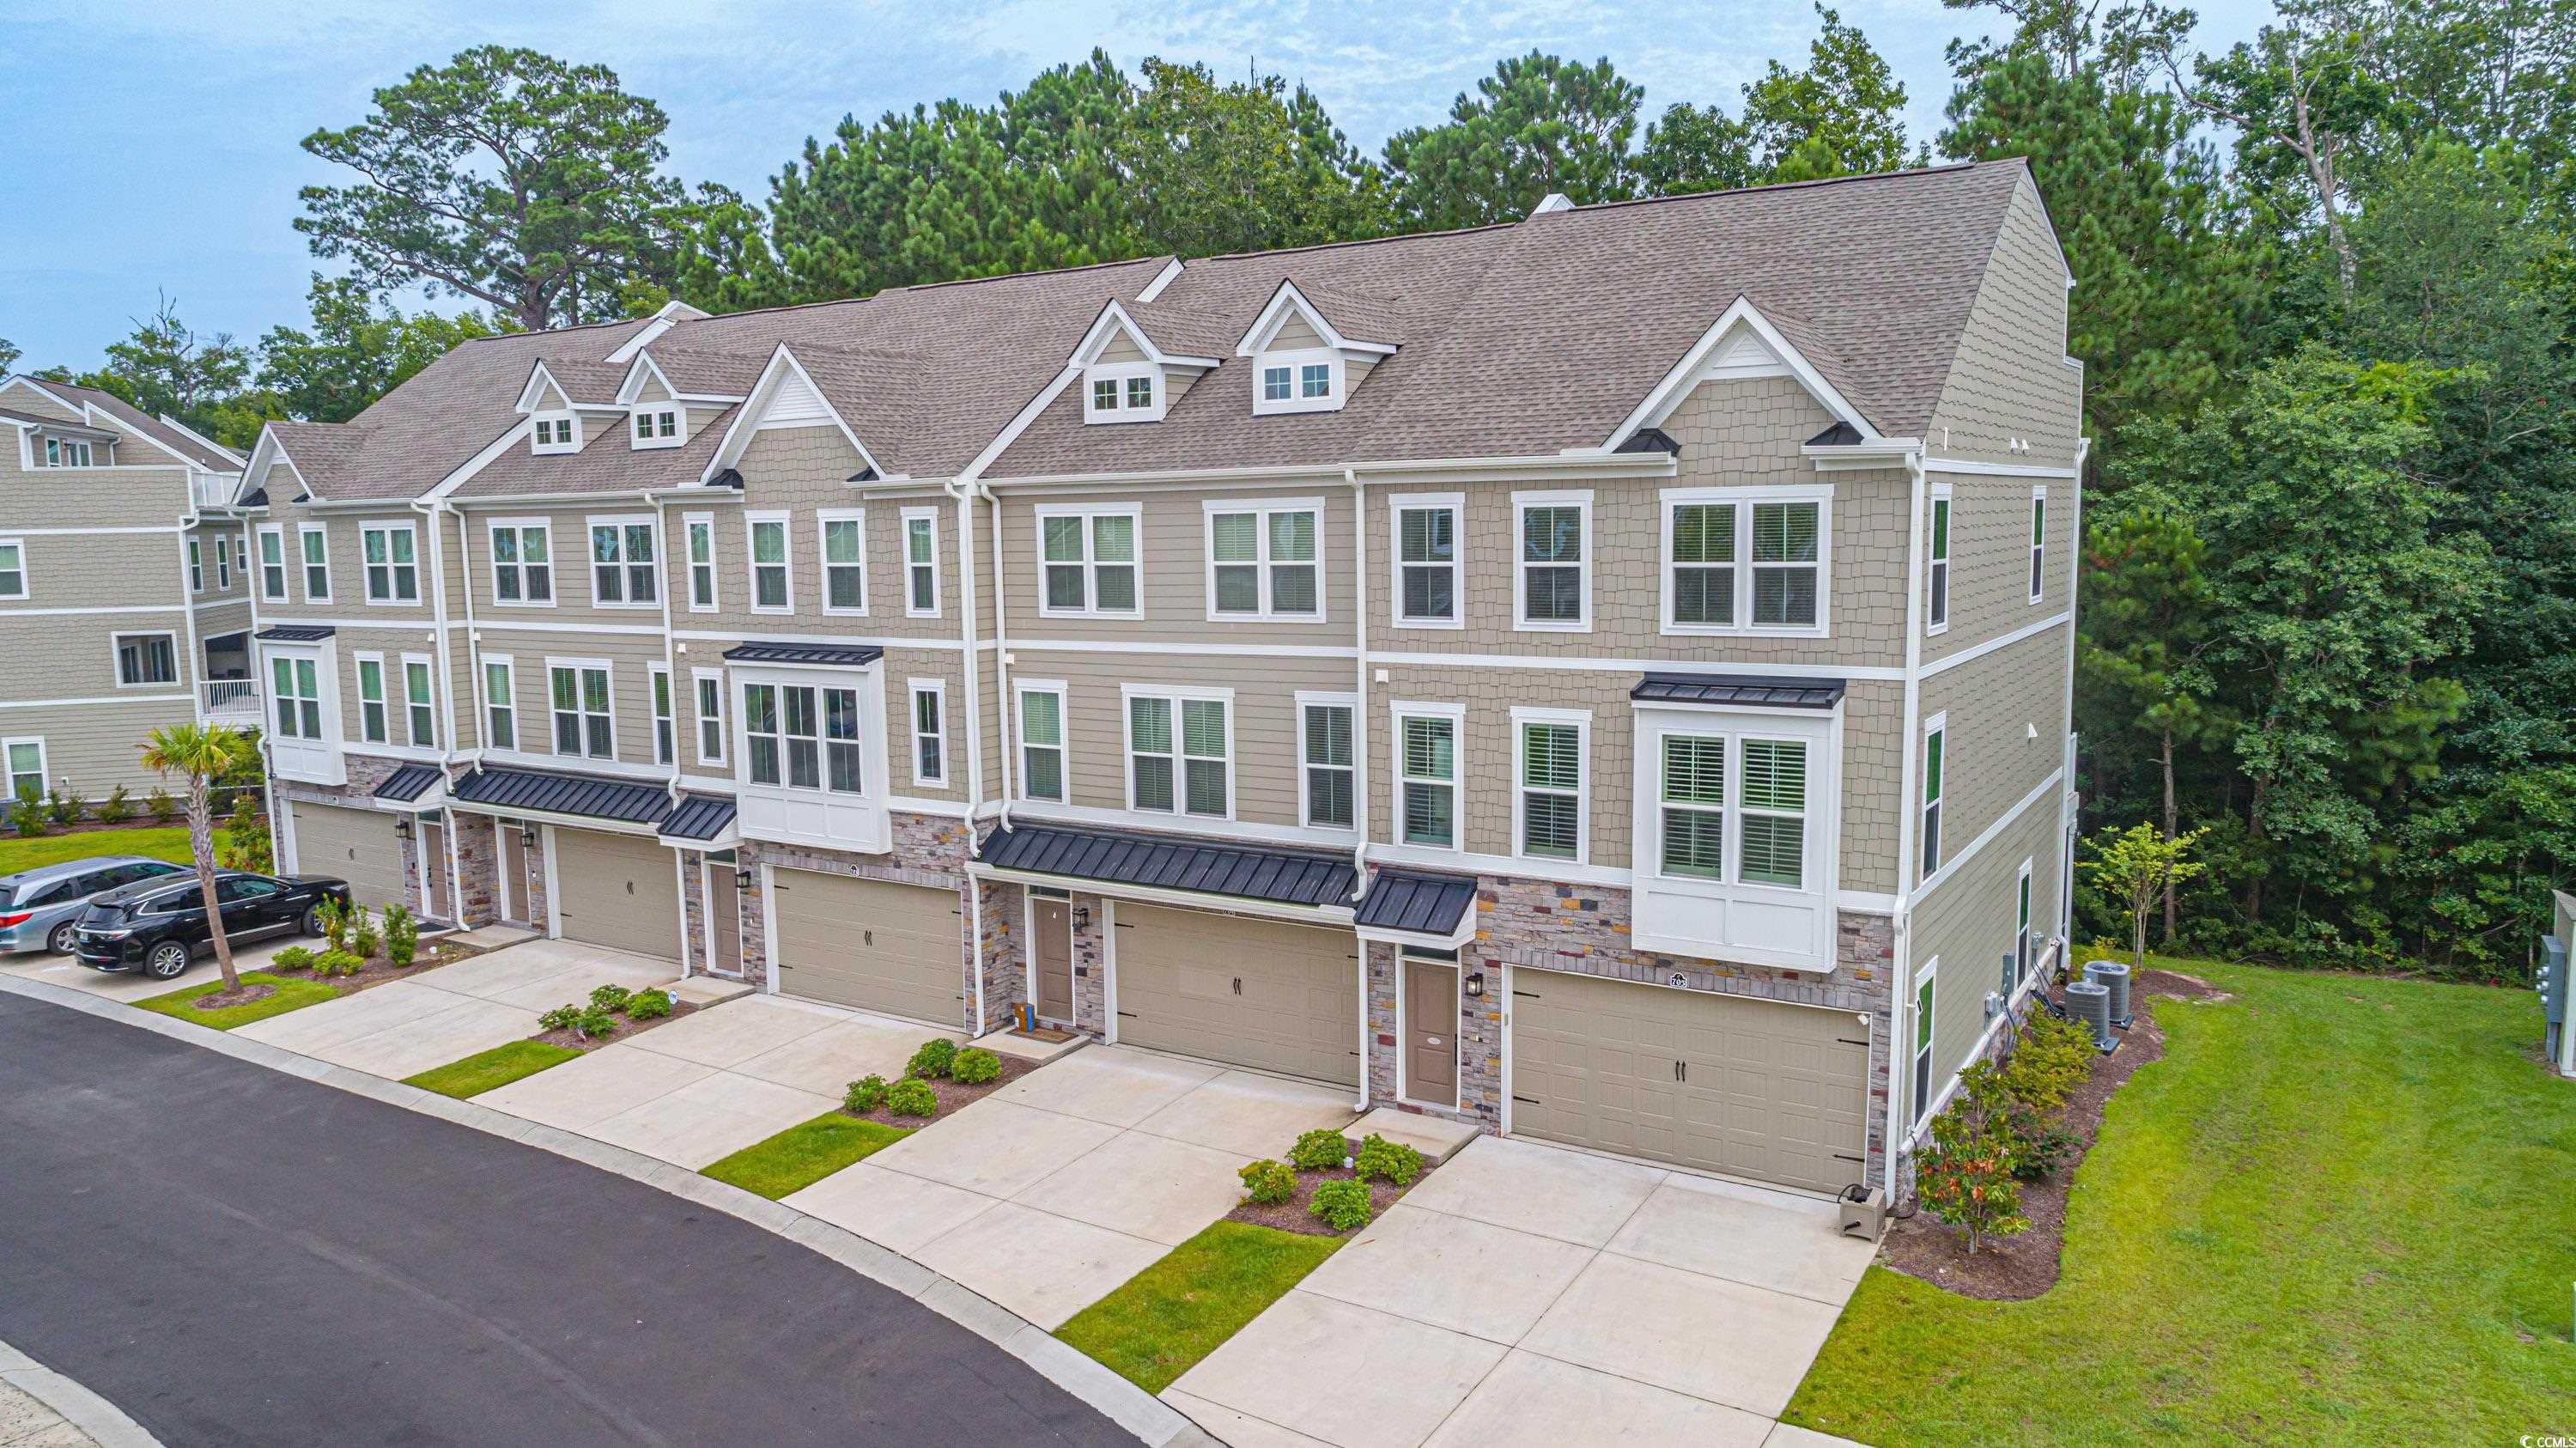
x=1082 y=917
x=402 y=829
x=1476 y=985
x=528 y=836
x=742 y=882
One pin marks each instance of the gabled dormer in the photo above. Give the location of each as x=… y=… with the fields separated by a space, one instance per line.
x=1125 y=377
x=655 y=415
x=1300 y=361
x=554 y=425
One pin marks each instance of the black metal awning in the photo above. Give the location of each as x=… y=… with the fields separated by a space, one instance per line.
x=546 y=791
x=1419 y=902
x=1745 y=689
x=408 y=783
x=847 y=655
x=697 y=817
x=299 y=633
x=1125 y=857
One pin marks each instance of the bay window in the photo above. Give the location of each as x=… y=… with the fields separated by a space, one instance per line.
x=1735 y=833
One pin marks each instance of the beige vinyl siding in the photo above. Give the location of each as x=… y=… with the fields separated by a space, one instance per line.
x=392 y=643
x=219 y=620
x=97 y=570
x=1990 y=558
x=240 y=543
x=79 y=654
x=95 y=745
x=1172 y=548
x=36 y=401
x=801 y=472
x=1989 y=759
x=568 y=545
x=148 y=488
x=1263 y=720
x=348 y=572
x=2011 y=377
x=902 y=666
x=1121 y=348
x=1294 y=334
x=1967 y=923
x=629 y=657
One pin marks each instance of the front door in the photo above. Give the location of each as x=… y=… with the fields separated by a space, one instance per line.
x=1055 y=959
x=514 y=871
x=433 y=864
x=724 y=920
x=1431 y=1032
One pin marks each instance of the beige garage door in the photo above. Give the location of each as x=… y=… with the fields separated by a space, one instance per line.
x=871 y=944
x=616 y=890
x=1750 y=1088
x=1278 y=997
x=356 y=845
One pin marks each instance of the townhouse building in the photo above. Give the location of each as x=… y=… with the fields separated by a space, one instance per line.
x=123 y=587
x=1603 y=677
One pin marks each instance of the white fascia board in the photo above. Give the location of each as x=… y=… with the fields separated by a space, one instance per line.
x=663 y=318
x=528 y=392
x=1677 y=383
x=746 y=423
x=267 y=451
x=117 y=426
x=38 y=388
x=1113 y=319
x=1170 y=273
x=1256 y=338
x=973 y=472
x=632 y=385
x=168 y=421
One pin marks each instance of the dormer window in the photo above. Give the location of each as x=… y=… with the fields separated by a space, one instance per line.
x=1123 y=392
x=659 y=426
x=1307 y=381
x=557 y=432
x=66 y=452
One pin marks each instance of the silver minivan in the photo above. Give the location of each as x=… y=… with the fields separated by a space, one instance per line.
x=40 y=908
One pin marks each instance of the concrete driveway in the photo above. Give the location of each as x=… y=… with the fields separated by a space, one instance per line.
x=407 y=1026
x=1049 y=1193
x=134 y=985
x=1527 y=1294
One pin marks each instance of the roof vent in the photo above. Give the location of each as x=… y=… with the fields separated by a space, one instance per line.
x=1553 y=201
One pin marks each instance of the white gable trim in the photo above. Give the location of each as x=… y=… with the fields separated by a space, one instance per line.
x=632 y=387
x=1170 y=273
x=168 y=421
x=1256 y=339
x=266 y=453
x=1690 y=371
x=38 y=388
x=669 y=314
x=782 y=372
x=1112 y=320
x=533 y=393
x=101 y=417
x=466 y=470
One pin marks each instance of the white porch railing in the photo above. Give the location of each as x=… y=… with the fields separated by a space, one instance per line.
x=229 y=701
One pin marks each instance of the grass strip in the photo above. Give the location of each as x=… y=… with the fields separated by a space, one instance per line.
x=804 y=1154
x=1164 y=1319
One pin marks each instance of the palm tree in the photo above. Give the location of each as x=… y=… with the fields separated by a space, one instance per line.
x=204 y=754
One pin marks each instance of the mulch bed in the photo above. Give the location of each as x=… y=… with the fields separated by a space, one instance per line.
x=238 y=996
x=2014 y=1269
x=1292 y=1216
x=953 y=1095
x=626 y=1030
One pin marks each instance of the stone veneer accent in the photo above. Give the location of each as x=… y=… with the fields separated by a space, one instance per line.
x=365 y=772
x=478 y=868
x=1005 y=968
x=1550 y=925
x=697 y=954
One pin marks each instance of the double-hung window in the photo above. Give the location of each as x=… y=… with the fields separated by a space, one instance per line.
x=1264 y=560
x=418 y=715
x=66 y=453
x=1692 y=804
x=1308 y=380
x=1426 y=561
x=296 y=688
x=1745 y=560
x=26 y=765
x=801 y=736
x=2038 y=542
x=500 y=704
x=921 y=562
x=315 y=544
x=1122 y=392
x=622 y=570
x=1936 y=732
x=1936 y=604
x=845 y=563
x=522 y=563
x=372 y=724
x=658 y=426
x=196 y=567
x=841 y=741
x=1771 y=814
x=1042 y=769
x=1710 y=779
x=1552 y=579
x=1924 y=982
x=770 y=583
x=13 y=568
x=1179 y=753
x=700 y=529
x=1327 y=780
x=1549 y=801
x=1426 y=775
x=711 y=730
x=392 y=562
x=223 y=564
x=929 y=732
x=146 y=658
x=272 y=564
x=1087 y=563
x=2018 y=968
x=584 y=723
x=665 y=727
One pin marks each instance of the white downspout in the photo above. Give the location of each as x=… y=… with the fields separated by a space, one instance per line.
x=1909 y=818
x=660 y=503
x=1001 y=658
x=2066 y=787
x=1359 y=746
x=964 y=493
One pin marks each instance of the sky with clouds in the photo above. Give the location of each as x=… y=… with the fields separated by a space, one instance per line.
x=155 y=141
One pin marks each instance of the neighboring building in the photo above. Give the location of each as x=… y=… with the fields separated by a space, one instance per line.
x=124 y=594
x=1604 y=677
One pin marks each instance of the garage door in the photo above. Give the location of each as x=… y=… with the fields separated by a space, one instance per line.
x=356 y=845
x=616 y=890
x=1750 y=1088
x=870 y=944
x=1281 y=998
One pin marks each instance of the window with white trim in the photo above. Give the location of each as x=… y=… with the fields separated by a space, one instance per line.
x=1732 y=804
x=1924 y=994
x=1745 y=560
x=392 y=563
x=13 y=568
x=1188 y=769
x=315 y=542
x=1426 y=561
x=1087 y=562
x=803 y=736
x=196 y=567
x=420 y=718
x=666 y=743
x=68 y=452
x=296 y=689
x=1042 y=769
x=1327 y=781
x=1552 y=579
x=500 y=703
x=223 y=564
x=26 y=764
x=1693 y=805
x=2038 y=542
x=1936 y=605
x=930 y=733
x=1935 y=736
x=921 y=562
x=584 y=719
x=1122 y=392
x=1549 y=800
x=711 y=730
x=272 y=564
x=771 y=585
x=700 y=530
x=146 y=658
x=2018 y=967
x=1265 y=560
x=1771 y=813
x=622 y=569
x=845 y=560
x=373 y=724
x=658 y=424
x=556 y=432
x=1426 y=777
x=523 y=572
x=1306 y=380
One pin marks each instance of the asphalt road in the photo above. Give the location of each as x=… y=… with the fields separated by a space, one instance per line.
x=233 y=1255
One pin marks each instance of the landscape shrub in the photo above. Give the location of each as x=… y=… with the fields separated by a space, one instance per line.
x=647 y=1005
x=1392 y=1160
x=868 y=1093
x=611 y=997
x=364 y=940
x=335 y=923
x=402 y=936
x=1321 y=1149
x=2051 y=1058
x=117 y=808
x=912 y=1096
x=245 y=842
x=1341 y=1205
x=27 y=814
x=1966 y=1179
x=162 y=805
x=974 y=1066
x=566 y=1017
x=64 y=809
x=596 y=1024
x=1268 y=1182
x=336 y=962
x=2040 y=1147
x=293 y=957
x=936 y=1057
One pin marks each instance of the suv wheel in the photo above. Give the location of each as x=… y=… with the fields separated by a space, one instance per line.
x=313 y=920
x=168 y=961
x=66 y=938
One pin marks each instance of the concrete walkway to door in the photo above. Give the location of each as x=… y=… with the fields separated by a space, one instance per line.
x=1529 y=1294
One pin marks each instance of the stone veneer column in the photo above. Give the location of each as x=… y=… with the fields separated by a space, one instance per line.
x=538 y=904
x=693 y=912
x=1005 y=975
x=1091 y=964
x=749 y=856
x=478 y=869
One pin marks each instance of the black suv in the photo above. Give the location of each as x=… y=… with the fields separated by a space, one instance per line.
x=158 y=926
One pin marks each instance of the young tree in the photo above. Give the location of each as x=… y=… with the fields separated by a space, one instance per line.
x=505 y=176
x=2136 y=867
x=202 y=754
x=9 y=356
x=1966 y=1179
x=1538 y=124
x=354 y=354
x=2145 y=623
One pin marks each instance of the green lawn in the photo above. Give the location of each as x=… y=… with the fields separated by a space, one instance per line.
x=804 y=1154
x=291 y=994
x=160 y=842
x=1167 y=1317
x=2335 y=1211
x=485 y=1070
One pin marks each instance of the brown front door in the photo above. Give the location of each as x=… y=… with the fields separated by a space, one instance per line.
x=1055 y=959
x=433 y=849
x=724 y=921
x=1431 y=1032
x=514 y=871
